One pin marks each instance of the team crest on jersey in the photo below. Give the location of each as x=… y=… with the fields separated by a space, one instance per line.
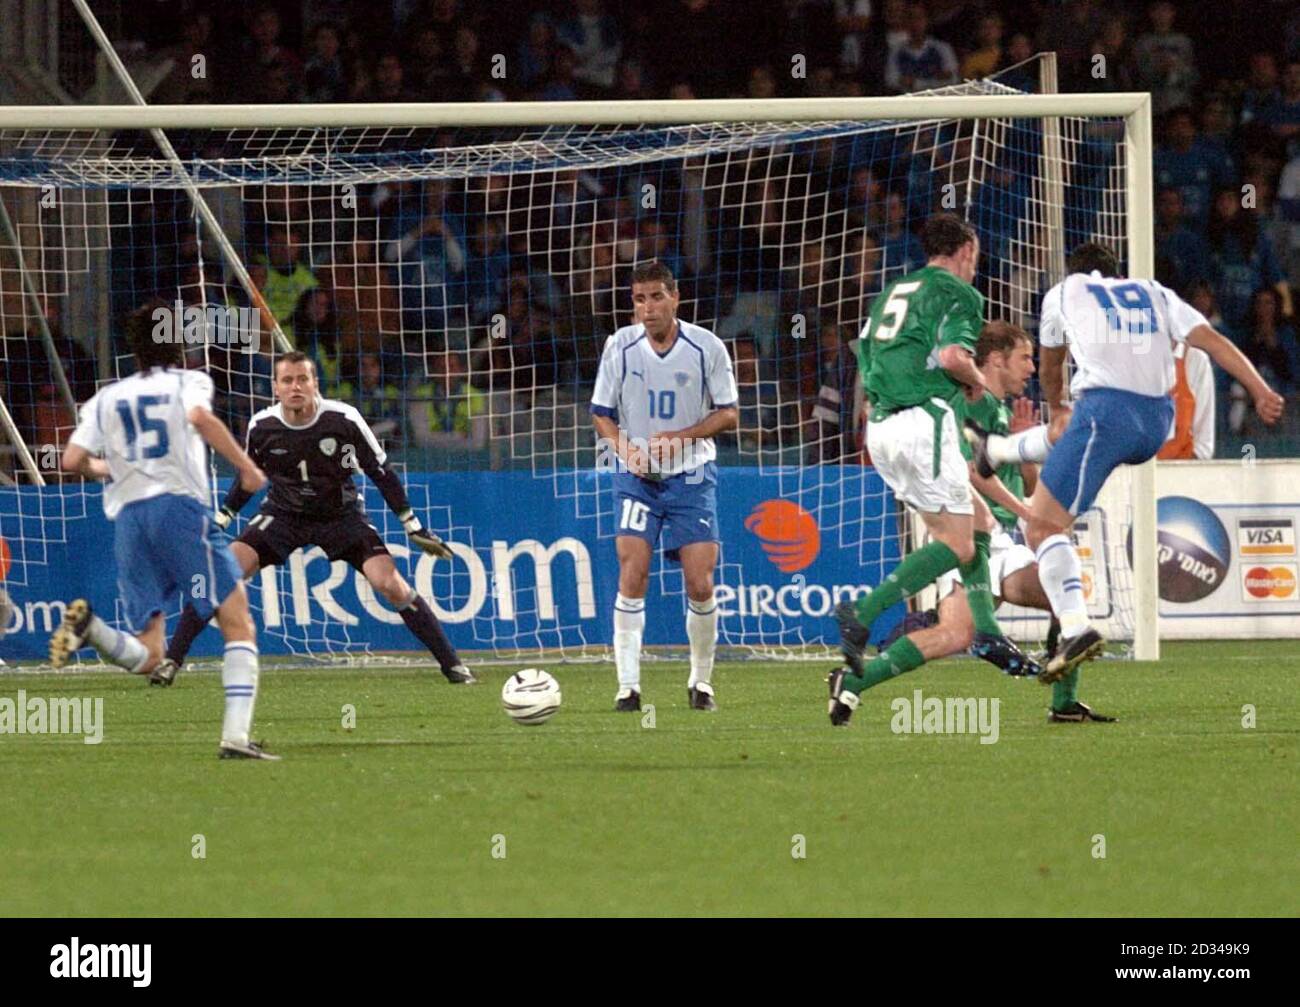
x=681 y=377
x=328 y=446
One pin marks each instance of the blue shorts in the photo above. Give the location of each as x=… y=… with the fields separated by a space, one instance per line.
x=167 y=546
x=1109 y=428
x=683 y=507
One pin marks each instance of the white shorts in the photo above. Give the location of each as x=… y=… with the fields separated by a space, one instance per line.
x=1006 y=556
x=929 y=476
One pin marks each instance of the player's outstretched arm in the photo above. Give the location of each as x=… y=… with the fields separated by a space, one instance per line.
x=1268 y=403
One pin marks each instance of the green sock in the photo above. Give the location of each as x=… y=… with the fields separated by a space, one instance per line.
x=1065 y=691
x=979 y=596
x=901 y=656
x=918 y=569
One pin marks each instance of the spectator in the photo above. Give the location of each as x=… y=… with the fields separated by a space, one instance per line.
x=377 y=399
x=562 y=85
x=182 y=86
x=1193 y=395
x=593 y=36
x=287 y=275
x=430 y=258
x=1260 y=95
x=1288 y=195
x=829 y=429
x=316 y=332
x=900 y=251
x=536 y=54
x=922 y=62
x=365 y=298
x=1272 y=340
x=486 y=268
x=759 y=399
x=630 y=82
x=1283 y=120
x=1016 y=70
x=1066 y=29
x=1112 y=43
x=1243 y=260
x=388 y=80
x=984 y=60
x=428 y=76
x=444 y=409
x=761 y=83
x=1164 y=62
x=1182 y=255
x=852 y=23
x=1192 y=166
x=263 y=53
x=324 y=78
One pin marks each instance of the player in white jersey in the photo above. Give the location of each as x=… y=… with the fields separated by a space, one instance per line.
x=1121 y=335
x=150 y=430
x=665 y=388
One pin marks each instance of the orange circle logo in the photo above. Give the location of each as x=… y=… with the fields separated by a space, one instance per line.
x=1261 y=582
x=788 y=533
x=6 y=559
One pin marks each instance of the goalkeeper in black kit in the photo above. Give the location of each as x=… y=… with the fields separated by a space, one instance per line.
x=310 y=448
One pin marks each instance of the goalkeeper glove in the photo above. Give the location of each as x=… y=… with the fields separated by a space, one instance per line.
x=424 y=538
x=223 y=518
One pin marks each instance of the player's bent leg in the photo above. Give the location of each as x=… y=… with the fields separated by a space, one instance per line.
x=383 y=576
x=80 y=627
x=634 y=556
x=698 y=562
x=1023 y=588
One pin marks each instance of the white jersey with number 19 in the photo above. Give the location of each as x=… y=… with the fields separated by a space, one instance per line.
x=140 y=426
x=1121 y=332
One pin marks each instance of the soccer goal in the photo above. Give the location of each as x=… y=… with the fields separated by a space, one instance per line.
x=454 y=270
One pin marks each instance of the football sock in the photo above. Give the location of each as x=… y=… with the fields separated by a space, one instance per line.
x=1027 y=446
x=922 y=567
x=702 y=631
x=421 y=621
x=116 y=647
x=1065 y=691
x=239 y=677
x=191 y=625
x=1062 y=580
x=629 y=623
x=901 y=656
x=975 y=579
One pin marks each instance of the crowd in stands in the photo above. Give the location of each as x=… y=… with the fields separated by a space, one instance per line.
x=390 y=305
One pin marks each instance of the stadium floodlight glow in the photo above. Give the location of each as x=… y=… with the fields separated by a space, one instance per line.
x=757 y=198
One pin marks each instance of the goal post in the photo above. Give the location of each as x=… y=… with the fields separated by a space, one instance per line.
x=319 y=147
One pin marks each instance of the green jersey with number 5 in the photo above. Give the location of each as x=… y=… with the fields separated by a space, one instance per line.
x=911 y=320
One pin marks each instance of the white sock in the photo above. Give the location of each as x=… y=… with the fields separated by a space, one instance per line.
x=1062 y=580
x=1027 y=446
x=702 y=631
x=629 y=624
x=116 y=647
x=239 y=676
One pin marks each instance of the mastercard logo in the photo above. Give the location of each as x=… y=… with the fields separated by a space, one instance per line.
x=788 y=533
x=6 y=559
x=1278 y=582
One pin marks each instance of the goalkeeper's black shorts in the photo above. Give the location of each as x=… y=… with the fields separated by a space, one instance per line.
x=350 y=538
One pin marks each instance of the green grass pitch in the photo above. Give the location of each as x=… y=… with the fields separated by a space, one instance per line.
x=698 y=815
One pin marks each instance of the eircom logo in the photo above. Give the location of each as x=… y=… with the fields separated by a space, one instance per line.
x=1269 y=583
x=788 y=534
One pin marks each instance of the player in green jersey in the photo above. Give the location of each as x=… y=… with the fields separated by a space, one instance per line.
x=917 y=358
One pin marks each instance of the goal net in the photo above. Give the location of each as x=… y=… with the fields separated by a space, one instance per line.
x=456 y=284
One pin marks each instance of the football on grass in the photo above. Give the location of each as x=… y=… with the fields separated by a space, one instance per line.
x=531 y=696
